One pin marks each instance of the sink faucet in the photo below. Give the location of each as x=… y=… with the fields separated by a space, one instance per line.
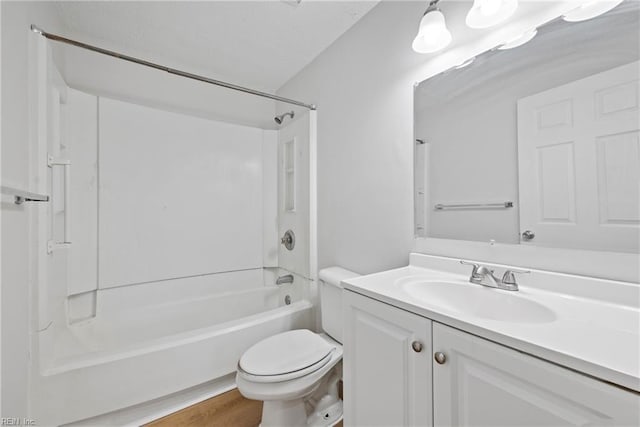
x=482 y=275
x=287 y=278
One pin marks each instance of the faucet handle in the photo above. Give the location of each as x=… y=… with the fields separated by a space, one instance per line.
x=509 y=277
x=473 y=264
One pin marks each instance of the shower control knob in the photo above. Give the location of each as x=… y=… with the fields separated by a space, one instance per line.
x=288 y=240
x=440 y=357
x=417 y=346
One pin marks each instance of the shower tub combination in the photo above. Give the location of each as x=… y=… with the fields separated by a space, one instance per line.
x=165 y=292
x=132 y=353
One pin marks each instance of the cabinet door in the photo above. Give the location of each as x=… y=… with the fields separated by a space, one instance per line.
x=387 y=382
x=485 y=384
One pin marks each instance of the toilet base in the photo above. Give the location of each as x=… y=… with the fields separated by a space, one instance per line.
x=326 y=417
x=284 y=413
x=292 y=413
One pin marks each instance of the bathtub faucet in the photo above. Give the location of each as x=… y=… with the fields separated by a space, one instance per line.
x=288 y=278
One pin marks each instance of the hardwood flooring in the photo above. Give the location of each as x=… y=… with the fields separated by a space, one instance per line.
x=229 y=409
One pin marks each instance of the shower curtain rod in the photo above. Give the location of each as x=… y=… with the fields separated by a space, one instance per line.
x=169 y=70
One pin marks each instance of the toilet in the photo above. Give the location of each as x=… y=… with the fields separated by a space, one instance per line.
x=296 y=373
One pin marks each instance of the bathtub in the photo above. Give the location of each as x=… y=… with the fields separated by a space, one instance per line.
x=134 y=354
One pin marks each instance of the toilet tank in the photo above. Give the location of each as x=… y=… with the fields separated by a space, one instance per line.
x=331 y=299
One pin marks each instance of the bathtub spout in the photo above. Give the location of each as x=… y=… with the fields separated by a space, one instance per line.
x=288 y=278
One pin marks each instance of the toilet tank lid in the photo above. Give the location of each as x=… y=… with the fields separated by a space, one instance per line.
x=335 y=275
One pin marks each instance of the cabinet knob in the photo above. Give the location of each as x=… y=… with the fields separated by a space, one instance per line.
x=417 y=346
x=440 y=357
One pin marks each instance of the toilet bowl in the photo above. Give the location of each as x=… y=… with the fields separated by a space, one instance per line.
x=296 y=373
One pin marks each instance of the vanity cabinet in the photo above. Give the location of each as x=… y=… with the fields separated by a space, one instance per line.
x=479 y=382
x=460 y=379
x=387 y=365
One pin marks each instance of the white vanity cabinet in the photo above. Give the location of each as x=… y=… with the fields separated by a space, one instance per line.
x=387 y=365
x=481 y=383
x=460 y=379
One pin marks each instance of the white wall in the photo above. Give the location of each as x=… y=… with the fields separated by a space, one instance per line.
x=0 y=216
x=364 y=153
x=363 y=87
x=16 y=18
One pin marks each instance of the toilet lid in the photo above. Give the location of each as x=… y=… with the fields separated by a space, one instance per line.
x=285 y=353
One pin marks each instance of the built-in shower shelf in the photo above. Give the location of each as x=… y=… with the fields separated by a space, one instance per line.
x=21 y=196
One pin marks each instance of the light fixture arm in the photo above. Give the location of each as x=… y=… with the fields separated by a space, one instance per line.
x=433 y=5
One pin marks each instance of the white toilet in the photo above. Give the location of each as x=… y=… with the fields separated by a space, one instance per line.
x=296 y=373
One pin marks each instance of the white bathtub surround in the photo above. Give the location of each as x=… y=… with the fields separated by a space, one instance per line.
x=197 y=180
x=586 y=324
x=137 y=170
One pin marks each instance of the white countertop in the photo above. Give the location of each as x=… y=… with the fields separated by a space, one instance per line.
x=589 y=332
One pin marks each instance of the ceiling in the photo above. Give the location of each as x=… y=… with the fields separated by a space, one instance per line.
x=261 y=44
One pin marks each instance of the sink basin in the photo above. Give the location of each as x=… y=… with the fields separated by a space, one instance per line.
x=477 y=300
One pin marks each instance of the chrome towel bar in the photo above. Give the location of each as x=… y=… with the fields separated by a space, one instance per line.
x=504 y=205
x=21 y=196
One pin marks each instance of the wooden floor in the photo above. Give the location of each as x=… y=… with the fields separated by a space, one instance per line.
x=229 y=409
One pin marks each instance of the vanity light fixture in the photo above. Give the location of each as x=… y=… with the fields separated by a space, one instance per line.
x=487 y=13
x=590 y=9
x=520 y=40
x=433 y=34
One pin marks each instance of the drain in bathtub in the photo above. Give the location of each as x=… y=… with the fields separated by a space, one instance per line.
x=287 y=299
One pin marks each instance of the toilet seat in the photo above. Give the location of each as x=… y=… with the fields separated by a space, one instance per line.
x=285 y=356
x=291 y=389
x=286 y=376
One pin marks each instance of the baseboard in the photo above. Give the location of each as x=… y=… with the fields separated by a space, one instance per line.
x=147 y=412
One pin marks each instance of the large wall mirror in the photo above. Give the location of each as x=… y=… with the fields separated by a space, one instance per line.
x=539 y=144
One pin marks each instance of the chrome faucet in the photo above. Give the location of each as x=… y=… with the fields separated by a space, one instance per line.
x=482 y=275
x=287 y=278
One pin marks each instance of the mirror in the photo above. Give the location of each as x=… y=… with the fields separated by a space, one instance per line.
x=536 y=145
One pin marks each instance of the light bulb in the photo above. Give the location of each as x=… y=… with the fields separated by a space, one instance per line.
x=433 y=34
x=490 y=7
x=487 y=13
x=590 y=10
